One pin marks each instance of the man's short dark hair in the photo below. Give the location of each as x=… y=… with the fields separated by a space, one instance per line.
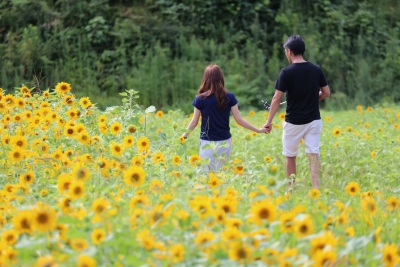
x=296 y=44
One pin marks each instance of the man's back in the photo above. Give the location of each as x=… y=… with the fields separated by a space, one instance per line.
x=302 y=83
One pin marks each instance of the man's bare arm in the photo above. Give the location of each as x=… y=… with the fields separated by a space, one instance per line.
x=324 y=93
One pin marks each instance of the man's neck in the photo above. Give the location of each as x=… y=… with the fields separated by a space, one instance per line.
x=298 y=59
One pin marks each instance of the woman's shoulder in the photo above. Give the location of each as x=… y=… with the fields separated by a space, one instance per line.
x=230 y=94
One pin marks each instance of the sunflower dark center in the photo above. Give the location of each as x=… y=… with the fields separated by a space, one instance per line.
x=77 y=190
x=264 y=213
x=135 y=177
x=24 y=224
x=43 y=218
x=80 y=174
x=303 y=228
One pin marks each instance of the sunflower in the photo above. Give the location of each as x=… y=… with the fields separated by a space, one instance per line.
x=143 y=143
x=46 y=261
x=145 y=239
x=24 y=90
x=390 y=255
x=240 y=252
x=19 y=141
x=336 y=132
x=304 y=227
x=258 y=236
x=9 y=237
x=116 y=149
x=286 y=222
x=63 y=87
x=238 y=169
x=324 y=258
x=79 y=244
x=350 y=231
x=141 y=200
x=156 y=186
x=16 y=154
x=158 y=157
x=9 y=100
x=98 y=235
x=219 y=215
x=69 y=100
x=85 y=102
x=263 y=211
x=352 y=188
x=2 y=107
x=17 y=118
x=46 y=94
x=204 y=237
x=370 y=206
x=348 y=129
x=213 y=181
x=76 y=190
x=392 y=203
x=5 y=139
x=100 y=205
x=6 y=119
x=176 y=160
x=69 y=130
x=314 y=193
x=44 y=218
x=177 y=252
x=44 y=147
x=267 y=159
x=131 y=129
x=64 y=180
x=159 y=114
x=103 y=163
x=83 y=138
x=27 y=178
x=65 y=205
x=134 y=176
x=194 y=160
x=102 y=128
x=202 y=206
x=81 y=173
x=282 y=116
x=80 y=127
x=158 y=214
x=321 y=242
x=102 y=119
x=182 y=139
x=72 y=114
x=22 y=221
x=20 y=102
x=115 y=127
x=128 y=141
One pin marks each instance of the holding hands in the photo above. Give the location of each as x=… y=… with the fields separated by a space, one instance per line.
x=267 y=126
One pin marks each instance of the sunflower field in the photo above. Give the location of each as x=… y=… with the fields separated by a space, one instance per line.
x=85 y=187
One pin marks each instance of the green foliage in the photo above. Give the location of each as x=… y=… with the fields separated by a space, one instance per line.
x=161 y=47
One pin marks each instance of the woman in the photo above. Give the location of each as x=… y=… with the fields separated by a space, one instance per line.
x=214 y=103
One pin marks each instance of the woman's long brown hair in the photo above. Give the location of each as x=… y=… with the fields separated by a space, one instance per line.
x=213 y=83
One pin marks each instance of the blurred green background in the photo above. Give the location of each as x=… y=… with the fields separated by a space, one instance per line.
x=161 y=47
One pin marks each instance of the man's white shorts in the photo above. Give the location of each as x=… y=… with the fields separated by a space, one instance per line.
x=292 y=134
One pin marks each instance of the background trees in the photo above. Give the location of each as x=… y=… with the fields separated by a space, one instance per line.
x=160 y=47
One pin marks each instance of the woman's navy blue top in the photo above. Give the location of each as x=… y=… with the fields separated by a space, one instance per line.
x=215 y=121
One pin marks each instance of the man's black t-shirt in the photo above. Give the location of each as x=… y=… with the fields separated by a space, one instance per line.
x=302 y=83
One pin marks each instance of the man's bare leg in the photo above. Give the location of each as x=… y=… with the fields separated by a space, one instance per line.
x=315 y=168
x=291 y=171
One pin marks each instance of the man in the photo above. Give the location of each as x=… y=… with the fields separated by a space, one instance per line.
x=304 y=84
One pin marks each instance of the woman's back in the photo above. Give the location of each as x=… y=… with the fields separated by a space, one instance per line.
x=215 y=120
